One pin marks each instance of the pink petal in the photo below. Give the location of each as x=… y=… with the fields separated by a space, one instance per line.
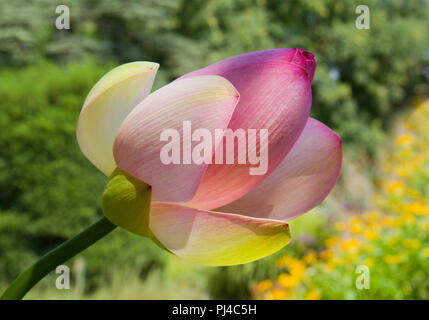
x=303 y=179
x=107 y=105
x=206 y=101
x=214 y=238
x=275 y=94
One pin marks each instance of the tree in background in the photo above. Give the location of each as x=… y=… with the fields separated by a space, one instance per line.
x=363 y=75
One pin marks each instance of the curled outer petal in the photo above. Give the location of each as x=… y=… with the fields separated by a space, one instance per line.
x=301 y=181
x=214 y=238
x=106 y=106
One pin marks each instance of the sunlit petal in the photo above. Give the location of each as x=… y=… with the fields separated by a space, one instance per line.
x=275 y=94
x=213 y=238
x=204 y=102
x=106 y=106
x=303 y=179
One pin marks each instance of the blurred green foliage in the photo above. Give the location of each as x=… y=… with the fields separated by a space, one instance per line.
x=362 y=77
x=49 y=191
x=391 y=239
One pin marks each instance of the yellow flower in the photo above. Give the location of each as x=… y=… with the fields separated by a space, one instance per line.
x=287 y=281
x=412 y=243
x=393 y=259
x=417 y=208
x=296 y=268
x=426 y=226
x=278 y=294
x=426 y=252
x=374 y=226
x=326 y=254
x=356 y=228
x=355 y=220
x=386 y=221
x=371 y=235
x=332 y=241
x=264 y=285
x=284 y=261
x=349 y=245
x=309 y=257
x=395 y=186
x=314 y=294
x=404 y=139
x=408 y=218
x=403 y=173
x=329 y=266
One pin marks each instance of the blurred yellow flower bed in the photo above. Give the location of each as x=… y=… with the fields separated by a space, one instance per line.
x=391 y=241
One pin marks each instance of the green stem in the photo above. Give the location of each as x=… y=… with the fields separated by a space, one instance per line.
x=55 y=257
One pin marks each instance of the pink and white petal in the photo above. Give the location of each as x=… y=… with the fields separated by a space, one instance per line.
x=303 y=179
x=275 y=94
x=206 y=102
x=106 y=106
x=214 y=238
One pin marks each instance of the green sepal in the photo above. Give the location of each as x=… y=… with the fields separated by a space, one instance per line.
x=126 y=203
